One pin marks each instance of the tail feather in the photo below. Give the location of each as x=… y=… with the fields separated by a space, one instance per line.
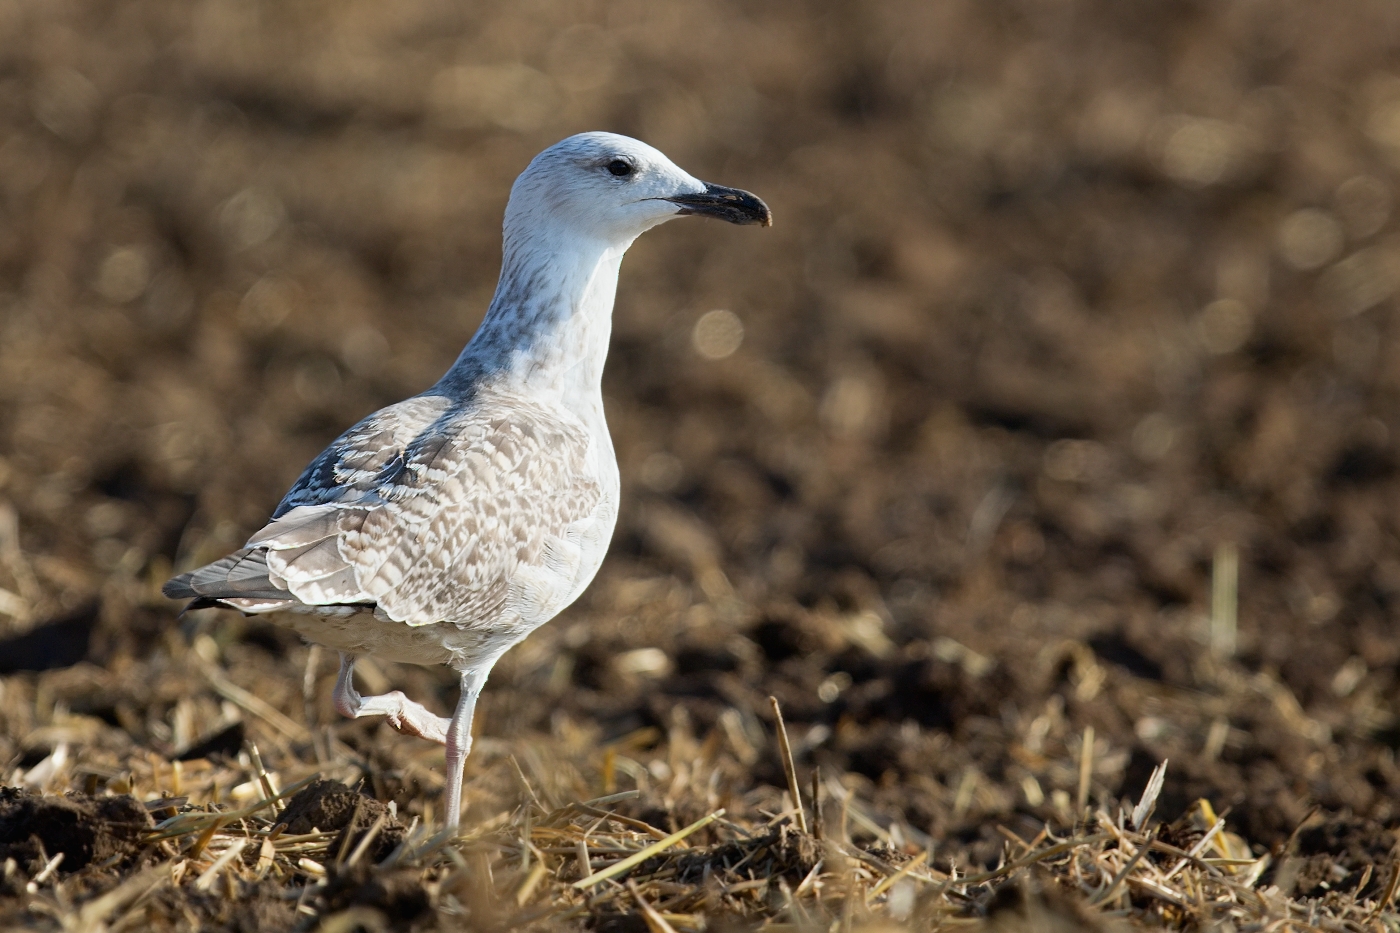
x=241 y=575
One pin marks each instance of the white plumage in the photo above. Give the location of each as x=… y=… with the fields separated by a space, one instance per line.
x=447 y=527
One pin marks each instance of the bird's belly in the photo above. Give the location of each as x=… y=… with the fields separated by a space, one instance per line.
x=364 y=633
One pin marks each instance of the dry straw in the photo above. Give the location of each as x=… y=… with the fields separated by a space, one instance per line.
x=525 y=864
x=789 y=769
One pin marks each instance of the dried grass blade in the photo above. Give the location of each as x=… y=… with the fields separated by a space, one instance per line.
x=13 y=605
x=1148 y=802
x=1159 y=891
x=610 y=798
x=655 y=922
x=1361 y=885
x=186 y=823
x=1224 y=600
x=1250 y=878
x=1390 y=887
x=345 y=843
x=205 y=881
x=740 y=886
x=785 y=748
x=624 y=820
x=810 y=879
x=1123 y=872
x=851 y=811
x=801 y=919
x=585 y=862
x=311 y=867
x=889 y=880
x=92 y=914
x=367 y=841
x=267 y=857
x=197 y=849
x=410 y=839
x=1086 y=767
x=532 y=881
x=46 y=872
x=525 y=783
x=260 y=770
x=1196 y=849
x=1014 y=839
x=636 y=859
x=439 y=839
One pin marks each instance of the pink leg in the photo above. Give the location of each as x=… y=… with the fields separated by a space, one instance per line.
x=403 y=714
x=459 y=742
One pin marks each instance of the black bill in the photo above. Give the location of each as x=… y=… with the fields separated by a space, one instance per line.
x=731 y=204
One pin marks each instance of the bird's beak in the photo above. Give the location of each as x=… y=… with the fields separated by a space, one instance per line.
x=731 y=204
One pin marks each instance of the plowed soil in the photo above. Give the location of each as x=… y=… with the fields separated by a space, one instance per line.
x=1060 y=396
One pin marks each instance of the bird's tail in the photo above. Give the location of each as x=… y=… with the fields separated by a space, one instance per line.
x=242 y=575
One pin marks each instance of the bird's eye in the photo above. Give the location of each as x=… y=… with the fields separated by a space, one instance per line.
x=620 y=167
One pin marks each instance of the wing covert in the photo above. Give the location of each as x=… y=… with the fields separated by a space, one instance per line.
x=435 y=528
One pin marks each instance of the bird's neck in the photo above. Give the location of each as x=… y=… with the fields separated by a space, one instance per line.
x=547 y=329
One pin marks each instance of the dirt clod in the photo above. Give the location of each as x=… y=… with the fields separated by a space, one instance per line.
x=1333 y=854
x=85 y=829
x=329 y=806
x=360 y=888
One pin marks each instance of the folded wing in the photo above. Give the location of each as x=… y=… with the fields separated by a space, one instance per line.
x=427 y=514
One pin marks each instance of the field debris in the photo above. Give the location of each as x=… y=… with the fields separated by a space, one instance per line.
x=319 y=854
x=1051 y=436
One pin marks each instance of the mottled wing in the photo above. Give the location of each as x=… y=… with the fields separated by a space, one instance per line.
x=475 y=502
x=253 y=578
x=354 y=463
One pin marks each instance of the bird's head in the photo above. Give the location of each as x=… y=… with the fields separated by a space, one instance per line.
x=613 y=188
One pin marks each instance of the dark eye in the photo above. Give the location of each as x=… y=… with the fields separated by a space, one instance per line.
x=620 y=167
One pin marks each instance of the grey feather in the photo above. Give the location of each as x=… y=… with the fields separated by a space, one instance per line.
x=242 y=574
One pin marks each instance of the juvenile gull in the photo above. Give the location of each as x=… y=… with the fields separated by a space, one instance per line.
x=446 y=528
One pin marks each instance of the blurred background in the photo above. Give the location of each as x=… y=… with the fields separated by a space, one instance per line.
x=1060 y=394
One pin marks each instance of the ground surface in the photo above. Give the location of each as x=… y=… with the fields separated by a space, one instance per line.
x=1068 y=310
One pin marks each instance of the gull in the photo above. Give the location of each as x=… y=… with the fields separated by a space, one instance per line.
x=447 y=527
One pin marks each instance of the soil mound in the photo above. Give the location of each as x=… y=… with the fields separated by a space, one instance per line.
x=85 y=829
x=330 y=806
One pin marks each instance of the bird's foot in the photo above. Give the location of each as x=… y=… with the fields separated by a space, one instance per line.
x=403 y=714
x=408 y=717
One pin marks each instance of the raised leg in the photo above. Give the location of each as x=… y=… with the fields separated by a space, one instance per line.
x=403 y=714
x=459 y=743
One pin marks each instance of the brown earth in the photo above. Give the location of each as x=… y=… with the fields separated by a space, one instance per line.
x=84 y=829
x=1065 y=305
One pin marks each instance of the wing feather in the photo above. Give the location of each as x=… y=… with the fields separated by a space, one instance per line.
x=430 y=511
x=244 y=573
